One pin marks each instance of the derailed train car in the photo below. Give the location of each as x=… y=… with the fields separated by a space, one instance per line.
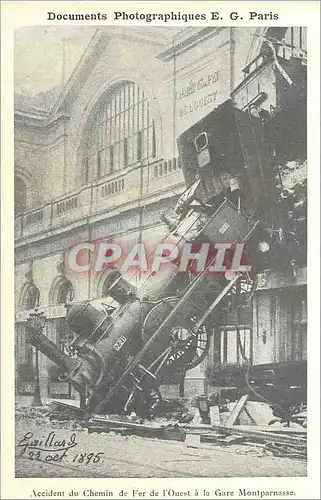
x=229 y=161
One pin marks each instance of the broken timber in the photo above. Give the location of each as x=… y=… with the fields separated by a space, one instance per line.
x=235 y=413
x=214 y=431
x=282 y=441
x=171 y=432
x=246 y=432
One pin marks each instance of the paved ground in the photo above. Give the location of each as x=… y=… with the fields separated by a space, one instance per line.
x=132 y=456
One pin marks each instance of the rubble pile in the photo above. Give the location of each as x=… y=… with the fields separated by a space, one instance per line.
x=181 y=410
x=248 y=425
x=49 y=415
x=37 y=414
x=244 y=426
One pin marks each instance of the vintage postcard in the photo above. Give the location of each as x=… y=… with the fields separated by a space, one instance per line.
x=160 y=277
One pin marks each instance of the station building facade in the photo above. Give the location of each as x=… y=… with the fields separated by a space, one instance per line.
x=102 y=164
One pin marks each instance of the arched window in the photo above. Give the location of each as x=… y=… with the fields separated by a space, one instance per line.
x=58 y=330
x=32 y=297
x=20 y=195
x=122 y=132
x=65 y=293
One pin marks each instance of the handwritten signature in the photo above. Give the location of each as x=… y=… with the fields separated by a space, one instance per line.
x=51 y=449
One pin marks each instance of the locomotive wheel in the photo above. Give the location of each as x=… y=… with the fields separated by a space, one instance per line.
x=188 y=349
x=189 y=344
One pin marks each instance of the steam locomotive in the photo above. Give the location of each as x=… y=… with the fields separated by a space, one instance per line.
x=164 y=326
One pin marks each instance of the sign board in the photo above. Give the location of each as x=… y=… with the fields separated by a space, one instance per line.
x=195 y=97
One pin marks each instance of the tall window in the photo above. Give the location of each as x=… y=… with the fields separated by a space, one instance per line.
x=64 y=334
x=20 y=193
x=32 y=297
x=66 y=292
x=298 y=304
x=122 y=133
x=235 y=345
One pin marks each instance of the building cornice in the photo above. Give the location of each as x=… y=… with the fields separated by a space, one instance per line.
x=157 y=36
x=186 y=39
x=36 y=122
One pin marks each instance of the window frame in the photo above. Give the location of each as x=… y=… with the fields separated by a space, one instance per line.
x=122 y=132
x=224 y=332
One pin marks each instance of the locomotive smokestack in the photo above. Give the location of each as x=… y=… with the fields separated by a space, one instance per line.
x=118 y=288
x=49 y=349
x=81 y=379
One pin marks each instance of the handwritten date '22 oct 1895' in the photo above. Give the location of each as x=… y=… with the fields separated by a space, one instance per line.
x=52 y=449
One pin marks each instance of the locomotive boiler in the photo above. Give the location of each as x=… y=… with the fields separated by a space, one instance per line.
x=163 y=327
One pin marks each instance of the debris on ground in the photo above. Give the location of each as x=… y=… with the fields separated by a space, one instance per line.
x=244 y=425
x=63 y=418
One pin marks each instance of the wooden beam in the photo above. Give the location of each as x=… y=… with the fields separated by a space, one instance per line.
x=265 y=436
x=250 y=416
x=236 y=411
x=227 y=440
x=280 y=430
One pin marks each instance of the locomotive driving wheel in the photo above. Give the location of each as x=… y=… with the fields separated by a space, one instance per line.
x=188 y=348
